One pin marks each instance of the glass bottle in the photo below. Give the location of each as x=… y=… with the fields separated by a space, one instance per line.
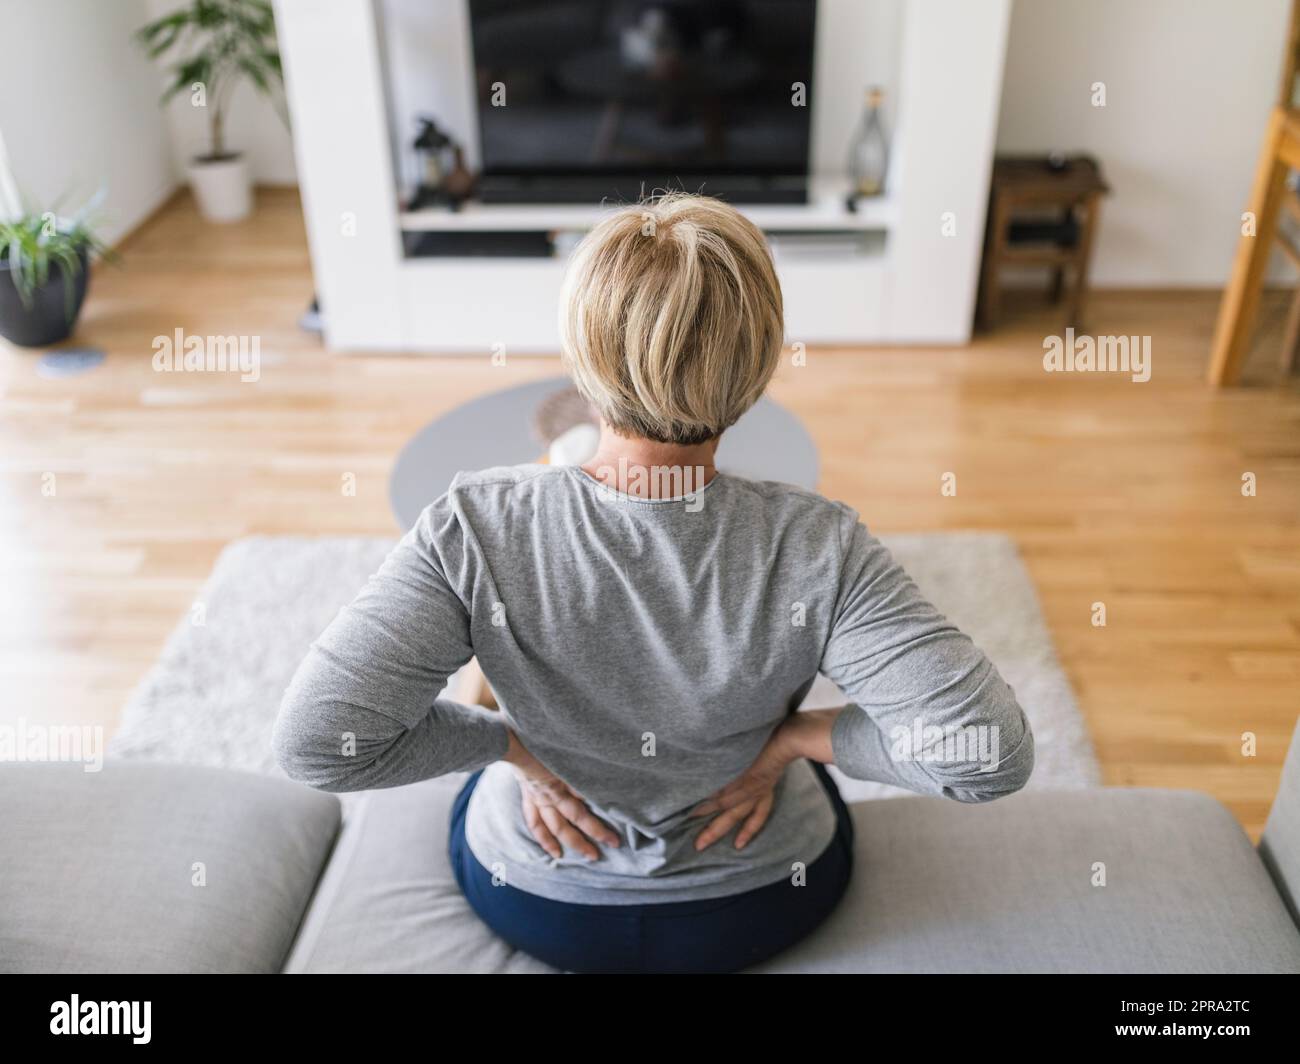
x=869 y=152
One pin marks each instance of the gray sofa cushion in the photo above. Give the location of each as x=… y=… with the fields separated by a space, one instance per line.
x=388 y=901
x=97 y=868
x=939 y=887
x=1280 y=846
x=1008 y=887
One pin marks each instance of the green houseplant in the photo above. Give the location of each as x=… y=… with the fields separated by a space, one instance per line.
x=212 y=46
x=44 y=266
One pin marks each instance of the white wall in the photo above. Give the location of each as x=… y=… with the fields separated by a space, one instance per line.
x=78 y=108
x=253 y=125
x=1188 y=87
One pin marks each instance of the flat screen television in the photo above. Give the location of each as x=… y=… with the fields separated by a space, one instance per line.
x=592 y=100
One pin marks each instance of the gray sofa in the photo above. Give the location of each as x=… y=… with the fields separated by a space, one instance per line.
x=147 y=867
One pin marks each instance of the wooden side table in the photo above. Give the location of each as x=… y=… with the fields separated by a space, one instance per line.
x=1064 y=203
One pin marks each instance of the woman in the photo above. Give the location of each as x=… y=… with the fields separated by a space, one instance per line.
x=646 y=798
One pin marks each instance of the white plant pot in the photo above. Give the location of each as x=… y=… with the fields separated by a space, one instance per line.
x=222 y=189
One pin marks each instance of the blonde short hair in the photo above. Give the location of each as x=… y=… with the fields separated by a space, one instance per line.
x=671 y=318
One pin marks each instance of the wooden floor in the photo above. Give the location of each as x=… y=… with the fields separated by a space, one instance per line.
x=1116 y=492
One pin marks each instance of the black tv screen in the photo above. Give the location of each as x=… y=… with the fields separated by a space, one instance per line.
x=592 y=98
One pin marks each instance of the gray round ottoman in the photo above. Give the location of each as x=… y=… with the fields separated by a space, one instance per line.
x=768 y=443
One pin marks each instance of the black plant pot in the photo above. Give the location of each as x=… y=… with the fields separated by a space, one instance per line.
x=53 y=313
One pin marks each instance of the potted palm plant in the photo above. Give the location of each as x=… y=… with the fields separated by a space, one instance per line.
x=218 y=43
x=44 y=267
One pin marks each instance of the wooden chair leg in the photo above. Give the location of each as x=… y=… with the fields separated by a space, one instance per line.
x=990 y=302
x=1236 y=322
x=1079 y=290
x=1057 y=285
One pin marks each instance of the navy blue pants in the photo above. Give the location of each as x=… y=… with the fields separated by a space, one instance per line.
x=714 y=935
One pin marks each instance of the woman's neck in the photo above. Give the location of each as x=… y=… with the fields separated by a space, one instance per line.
x=644 y=468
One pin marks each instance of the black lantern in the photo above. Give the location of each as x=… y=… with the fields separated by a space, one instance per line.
x=433 y=149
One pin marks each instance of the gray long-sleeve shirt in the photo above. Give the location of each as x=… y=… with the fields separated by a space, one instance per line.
x=644 y=651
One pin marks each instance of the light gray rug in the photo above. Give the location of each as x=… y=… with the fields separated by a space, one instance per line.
x=213 y=694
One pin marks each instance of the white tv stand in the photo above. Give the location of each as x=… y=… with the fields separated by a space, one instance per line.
x=825 y=210
x=900 y=269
